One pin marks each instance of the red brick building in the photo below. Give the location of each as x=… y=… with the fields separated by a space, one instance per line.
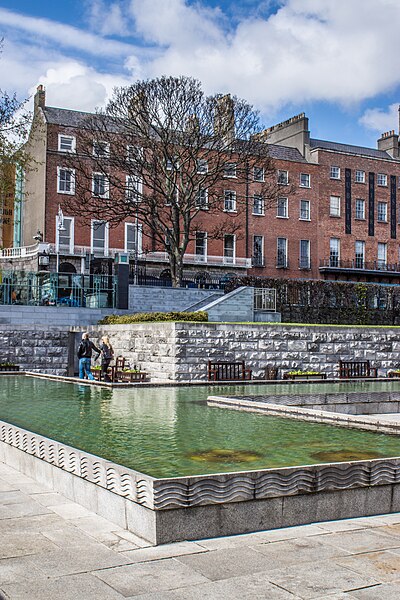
x=336 y=217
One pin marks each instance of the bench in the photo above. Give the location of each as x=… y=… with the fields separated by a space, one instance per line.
x=361 y=368
x=228 y=371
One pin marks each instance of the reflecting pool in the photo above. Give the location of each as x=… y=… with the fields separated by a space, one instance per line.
x=170 y=431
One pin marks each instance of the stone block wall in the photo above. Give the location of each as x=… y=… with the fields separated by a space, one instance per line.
x=35 y=348
x=151 y=299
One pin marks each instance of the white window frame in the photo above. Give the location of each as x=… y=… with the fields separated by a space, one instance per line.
x=260 y=260
x=284 y=263
x=382 y=212
x=308 y=217
x=259 y=174
x=133 y=188
x=71 y=234
x=334 y=211
x=334 y=251
x=382 y=260
x=70 y=192
x=282 y=202
x=358 y=212
x=381 y=180
x=258 y=201
x=202 y=204
x=283 y=177
x=201 y=257
x=230 y=170
x=305 y=264
x=230 y=260
x=137 y=228
x=106 y=186
x=335 y=172
x=359 y=254
x=71 y=138
x=231 y=200
x=360 y=176
x=105 y=145
x=106 y=236
x=202 y=166
x=307 y=182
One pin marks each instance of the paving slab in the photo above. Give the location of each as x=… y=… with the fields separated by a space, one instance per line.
x=363 y=540
x=293 y=552
x=383 y=566
x=380 y=592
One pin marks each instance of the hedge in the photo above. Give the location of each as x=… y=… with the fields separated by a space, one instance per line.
x=154 y=317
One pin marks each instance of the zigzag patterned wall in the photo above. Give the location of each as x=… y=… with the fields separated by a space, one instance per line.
x=184 y=492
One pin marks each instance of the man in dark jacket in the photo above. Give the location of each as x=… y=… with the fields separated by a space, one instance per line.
x=85 y=350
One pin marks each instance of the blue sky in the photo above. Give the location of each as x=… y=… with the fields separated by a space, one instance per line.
x=335 y=60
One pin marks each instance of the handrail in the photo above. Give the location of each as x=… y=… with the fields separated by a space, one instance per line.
x=20 y=252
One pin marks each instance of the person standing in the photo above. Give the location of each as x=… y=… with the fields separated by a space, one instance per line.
x=107 y=354
x=85 y=350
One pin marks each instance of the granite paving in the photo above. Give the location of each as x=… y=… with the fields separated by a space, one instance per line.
x=51 y=548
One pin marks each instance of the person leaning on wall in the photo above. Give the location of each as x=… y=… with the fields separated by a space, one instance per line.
x=107 y=354
x=85 y=350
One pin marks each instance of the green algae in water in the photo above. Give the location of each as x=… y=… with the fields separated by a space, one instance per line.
x=156 y=430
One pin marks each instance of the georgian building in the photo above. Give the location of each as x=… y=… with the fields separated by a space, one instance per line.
x=337 y=215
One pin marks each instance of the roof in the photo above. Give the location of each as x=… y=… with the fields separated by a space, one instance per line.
x=349 y=149
x=285 y=153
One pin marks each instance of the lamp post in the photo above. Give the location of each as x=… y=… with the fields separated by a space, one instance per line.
x=136 y=257
x=60 y=227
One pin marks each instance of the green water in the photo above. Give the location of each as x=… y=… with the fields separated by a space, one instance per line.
x=165 y=431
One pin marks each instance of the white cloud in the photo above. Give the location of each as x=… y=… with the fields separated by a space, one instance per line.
x=109 y=18
x=381 y=120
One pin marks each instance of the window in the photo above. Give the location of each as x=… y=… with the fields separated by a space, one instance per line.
x=382 y=255
x=258 y=173
x=229 y=248
x=202 y=199
x=360 y=208
x=258 y=251
x=133 y=238
x=202 y=166
x=360 y=176
x=100 y=186
x=304 y=210
x=230 y=170
x=334 y=206
x=66 y=143
x=258 y=204
x=282 y=208
x=335 y=172
x=99 y=244
x=382 y=212
x=65 y=235
x=134 y=153
x=172 y=164
x=381 y=179
x=304 y=255
x=229 y=201
x=101 y=149
x=305 y=180
x=133 y=189
x=281 y=253
x=359 y=254
x=283 y=177
x=65 y=180
x=201 y=246
x=334 y=252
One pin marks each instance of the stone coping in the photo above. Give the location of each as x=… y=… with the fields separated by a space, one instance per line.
x=369 y=423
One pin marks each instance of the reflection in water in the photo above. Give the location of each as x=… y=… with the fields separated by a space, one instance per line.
x=171 y=431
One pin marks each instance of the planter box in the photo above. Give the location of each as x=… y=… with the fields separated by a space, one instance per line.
x=9 y=368
x=304 y=376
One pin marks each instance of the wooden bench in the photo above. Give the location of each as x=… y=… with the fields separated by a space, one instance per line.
x=228 y=371
x=349 y=369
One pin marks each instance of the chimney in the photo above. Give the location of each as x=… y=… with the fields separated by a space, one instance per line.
x=224 y=121
x=40 y=98
x=389 y=142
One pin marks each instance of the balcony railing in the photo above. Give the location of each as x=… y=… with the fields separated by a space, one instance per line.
x=20 y=252
x=359 y=265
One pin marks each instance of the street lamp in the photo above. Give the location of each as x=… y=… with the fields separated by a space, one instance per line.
x=60 y=227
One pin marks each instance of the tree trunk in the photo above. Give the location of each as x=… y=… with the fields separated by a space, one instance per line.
x=176 y=268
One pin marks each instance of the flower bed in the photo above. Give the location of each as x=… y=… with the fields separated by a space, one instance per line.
x=8 y=367
x=304 y=375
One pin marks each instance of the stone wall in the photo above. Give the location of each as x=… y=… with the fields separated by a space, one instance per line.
x=152 y=299
x=35 y=348
x=16 y=314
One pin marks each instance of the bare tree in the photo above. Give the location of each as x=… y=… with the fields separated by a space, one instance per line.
x=159 y=152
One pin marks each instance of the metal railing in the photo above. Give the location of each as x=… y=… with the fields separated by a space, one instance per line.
x=376 y=265
x=265 y=299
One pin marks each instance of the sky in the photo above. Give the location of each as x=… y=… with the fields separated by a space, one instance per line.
x=336 y=60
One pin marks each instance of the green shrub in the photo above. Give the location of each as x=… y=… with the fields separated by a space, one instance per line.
x=153 y=317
